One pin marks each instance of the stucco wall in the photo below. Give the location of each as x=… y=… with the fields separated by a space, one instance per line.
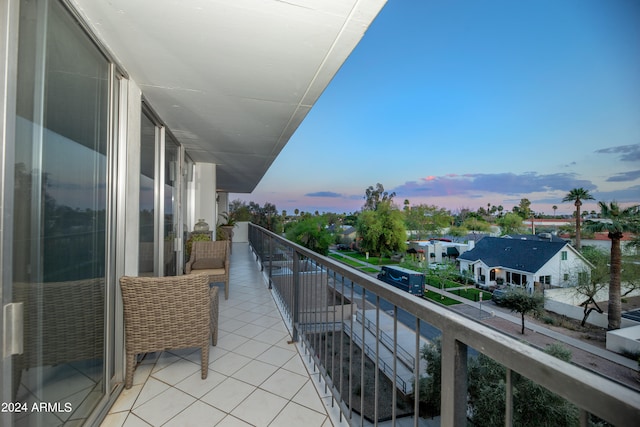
x=566 y=301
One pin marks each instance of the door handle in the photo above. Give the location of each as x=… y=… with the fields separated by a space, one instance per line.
x=13 y=321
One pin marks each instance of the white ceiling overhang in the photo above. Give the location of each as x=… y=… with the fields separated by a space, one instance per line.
x=231 y=79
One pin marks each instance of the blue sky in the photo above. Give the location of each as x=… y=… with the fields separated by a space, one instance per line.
x=464 y=103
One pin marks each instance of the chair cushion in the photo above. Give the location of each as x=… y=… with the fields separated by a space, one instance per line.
x=211 y=271
x=207 y=263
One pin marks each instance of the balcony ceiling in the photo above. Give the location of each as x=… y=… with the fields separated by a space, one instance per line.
x=231 y=79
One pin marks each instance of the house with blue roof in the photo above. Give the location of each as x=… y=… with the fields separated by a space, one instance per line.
x=529 y=262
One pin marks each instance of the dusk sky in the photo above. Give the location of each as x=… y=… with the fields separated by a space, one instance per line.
x=463 y=103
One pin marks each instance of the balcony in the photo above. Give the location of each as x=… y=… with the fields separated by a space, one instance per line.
x=356 y=359
x=256 y=377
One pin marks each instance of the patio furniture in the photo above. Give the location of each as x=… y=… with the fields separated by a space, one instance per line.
x=162 y=313
x=211 y=258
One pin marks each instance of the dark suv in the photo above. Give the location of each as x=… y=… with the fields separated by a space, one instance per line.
x=498 y=296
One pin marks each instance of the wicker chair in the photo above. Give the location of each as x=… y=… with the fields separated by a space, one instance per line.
x=172 y=312
x=63 y=323
x=212 y=258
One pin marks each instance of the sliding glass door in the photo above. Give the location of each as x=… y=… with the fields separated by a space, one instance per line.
x=59 y=217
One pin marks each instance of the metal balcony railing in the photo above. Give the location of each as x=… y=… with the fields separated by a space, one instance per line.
x=320 y=298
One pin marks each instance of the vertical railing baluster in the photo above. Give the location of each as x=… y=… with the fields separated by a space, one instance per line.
x=362 y=386
x=454 y=381
x=395 y=366
x=416 y=376
x=322 y=300
x=271 y=254
x=377 y=364
x=341 y=367
x=583 y=417
x=333 y=331
x=351 y=344
x=508 y=399
x=296 y=292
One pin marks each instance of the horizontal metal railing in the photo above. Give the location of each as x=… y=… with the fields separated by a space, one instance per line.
x=314 y=289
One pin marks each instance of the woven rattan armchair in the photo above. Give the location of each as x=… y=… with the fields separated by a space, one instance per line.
x=63 y=323
x=162 y=313
x=212 y=258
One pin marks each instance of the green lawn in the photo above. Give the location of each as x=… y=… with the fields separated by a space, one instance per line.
x=371 y=260
x=370 y=270
x=435 y=281
x=444 y=300
x=347 y=261
x=472 y=294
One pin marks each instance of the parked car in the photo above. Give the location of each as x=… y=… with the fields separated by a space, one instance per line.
x=498 y=296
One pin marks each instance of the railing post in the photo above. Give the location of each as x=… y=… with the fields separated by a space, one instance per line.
x=296 y=296
x=270 y=262
x=453 y=403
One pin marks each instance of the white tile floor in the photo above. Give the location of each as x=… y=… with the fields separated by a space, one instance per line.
x=255 y=377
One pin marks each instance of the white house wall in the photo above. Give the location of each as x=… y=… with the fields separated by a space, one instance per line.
x=556 y=267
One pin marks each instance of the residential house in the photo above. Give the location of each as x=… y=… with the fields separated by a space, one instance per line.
x=529 y=262
x=348 y=235
x=438 y=250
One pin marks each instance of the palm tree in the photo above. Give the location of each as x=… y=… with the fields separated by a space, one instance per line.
x=555 y=208
x=577 y=195
x=615 y=221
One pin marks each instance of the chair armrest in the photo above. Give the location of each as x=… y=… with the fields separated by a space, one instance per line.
x=192 y=259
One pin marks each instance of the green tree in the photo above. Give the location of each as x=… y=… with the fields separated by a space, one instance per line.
x=577 y=195
x=427 y=219
x=266 y=216
x=615 y=221
x=239 y=210
x=521 y=302
x=510 y=223
x=458 y=231
x=533 y=405
x=524 y=208
x=382 y=231
x=476 y=224
x=429 y=386
x=374 y=196
x=311 y=232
